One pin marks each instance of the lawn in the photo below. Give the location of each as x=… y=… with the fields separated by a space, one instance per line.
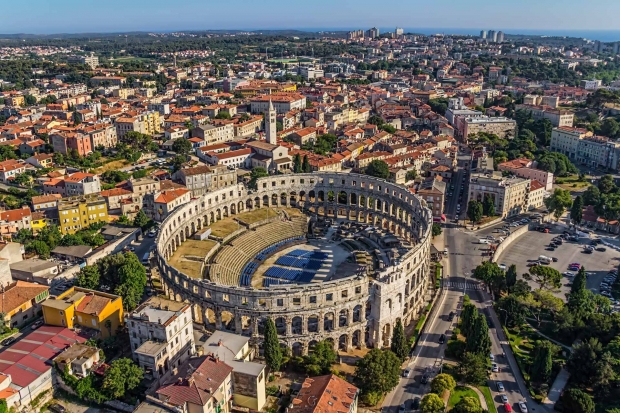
x=224 y=227
x=572 y=182
x=488 y=397
x=111 y=166
x=251 y=217
x=458 y=393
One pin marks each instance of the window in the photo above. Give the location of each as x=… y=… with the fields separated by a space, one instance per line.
x=94 y=322
x=280 y=302
x=313 y=299
x=358 y=290
x=344 y=293
x=329 y=297
x=225 y=298
x=297 y=301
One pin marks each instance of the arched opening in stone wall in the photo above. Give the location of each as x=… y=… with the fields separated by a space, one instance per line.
x=328 y=321
x=356 y=338
x=311 y=346
x=297 y=349
x=246 y=324
x=342 y=198
x=280 y=326
x=343 y=317
x=313 y=324
x=209 y=318
x=387 y=335
x=228 y=320
x=357 y=313
x=296 y=325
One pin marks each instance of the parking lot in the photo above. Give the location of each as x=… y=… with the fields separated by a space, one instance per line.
x=531 y=245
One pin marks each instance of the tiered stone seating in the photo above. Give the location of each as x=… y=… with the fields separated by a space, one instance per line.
x=231 y=260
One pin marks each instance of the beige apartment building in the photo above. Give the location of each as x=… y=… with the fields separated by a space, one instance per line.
x=557 y=117
x=511 y=194
x=565 y=140
x=500 y=126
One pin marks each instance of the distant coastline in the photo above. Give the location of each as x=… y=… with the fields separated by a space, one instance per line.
x=600 y=35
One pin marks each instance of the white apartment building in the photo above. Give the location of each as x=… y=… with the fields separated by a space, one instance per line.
x=557 y=117
x=598 y=151
x=161 y=336
x=500 y=126
x=212 y=134
x=565 y=140
x=282 y=103
x=234 y=159
x=456 y=107
x=510 y=194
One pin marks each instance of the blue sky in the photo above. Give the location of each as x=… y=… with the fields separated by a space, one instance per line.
x=74 y=16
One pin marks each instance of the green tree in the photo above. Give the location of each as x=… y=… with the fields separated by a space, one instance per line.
x=436 y=229
x=488 y=272
x=488 y=206
x=542 y=362
x=606 y=184
x=558 y=202
x=378 y=168
x=442 y=382
x=479 y=341
x=468 y=318
x=257 y=173
x=399 y=344
x=182 y=146
x=579 y=283
x=378 y=371
x=513 y=311
x=467 y=405
x=511 y=276
x=88 y=277
x=306 y=165
x=122 y=376
x=321 y=360
x=388 y=128
x=473 y=368
x=588 y=364
x=411 y=175
x=141 y=220
x=178 y=161
x=376 y=120
x=297 y=163
x=40 y=248
x=431 y=403
x=576 y=211
x=542 y=300
x=273 y=351
x=223 y=115
x=474 y=211
x=546 y=277
x=591 y=196
x=576 y=401
x=131 y=281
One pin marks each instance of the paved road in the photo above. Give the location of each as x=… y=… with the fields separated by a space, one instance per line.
x=465 y=254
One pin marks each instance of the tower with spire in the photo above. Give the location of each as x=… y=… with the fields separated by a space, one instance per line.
x=270 y=124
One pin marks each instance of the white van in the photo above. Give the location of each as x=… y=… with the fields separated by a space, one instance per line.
x=484 y=241
x=145 y=258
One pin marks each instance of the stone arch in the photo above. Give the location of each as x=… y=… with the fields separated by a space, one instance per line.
x=329 y=322
x=265 y=200
x=209 y=318
x=343 y=342
x=343 y=318
x=388 y=303
x=233 y=208
x=387 y=334
x=228 y=320
x=356 y=338
x=297 y=325
x=218 y=214
x=311 y=346
x=297 y=349
x=342 y=198
x=274 y=199
x=357 y=313
x=246 y=324
x=331 y=196
x=280 y=325
x=283 y=199
x=313 y=323
x=225 y=210
x=293 y=198
x=321 y=196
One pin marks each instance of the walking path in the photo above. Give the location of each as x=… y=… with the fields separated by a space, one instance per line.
x=556 y=389
x=483 y=401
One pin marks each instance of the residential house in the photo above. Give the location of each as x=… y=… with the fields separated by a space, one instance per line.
x=325 y=394
x=20 y=302
x=78 y=212
x=91 y=309
x=161 y=336
x=41 y=160
x=433 y=191
x=10 y=168
x=82 y=183
x=34 y=270
x=202 y=384
x=201 y=179
x=158 y=205
x=78 y=359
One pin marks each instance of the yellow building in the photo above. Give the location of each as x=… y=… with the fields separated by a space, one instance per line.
x=38 y=222
x=152 y=124
x=15 y=100
x=86 y=308
x=79 y=212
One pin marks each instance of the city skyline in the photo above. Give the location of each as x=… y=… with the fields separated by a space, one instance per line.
x=190 y=15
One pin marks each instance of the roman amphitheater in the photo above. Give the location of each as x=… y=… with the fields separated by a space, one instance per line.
x=327 y=256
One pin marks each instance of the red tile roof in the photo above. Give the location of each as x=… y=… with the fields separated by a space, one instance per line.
x=324 y=394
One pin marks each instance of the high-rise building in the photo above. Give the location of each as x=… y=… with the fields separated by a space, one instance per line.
x=616 y=47
x=270 y=125
x=483 y=34
x=399 y=31
x=372 y=33
x=492 y=36
x=500 y=37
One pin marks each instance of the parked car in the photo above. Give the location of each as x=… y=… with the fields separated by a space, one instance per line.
x=523 y=407
x=601 y=249
x=507 y=408
x=8 y=341
x=494 y=367
x=442 y=339
x=36 y=324
x=407 y=372
x=451 y=316
x=500 y=386
x=57 y=408
x=502 y=266
x=415 y=403
x=504 y=398
x=425 y=378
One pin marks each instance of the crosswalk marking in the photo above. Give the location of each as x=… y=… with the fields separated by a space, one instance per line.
x=461 y=285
